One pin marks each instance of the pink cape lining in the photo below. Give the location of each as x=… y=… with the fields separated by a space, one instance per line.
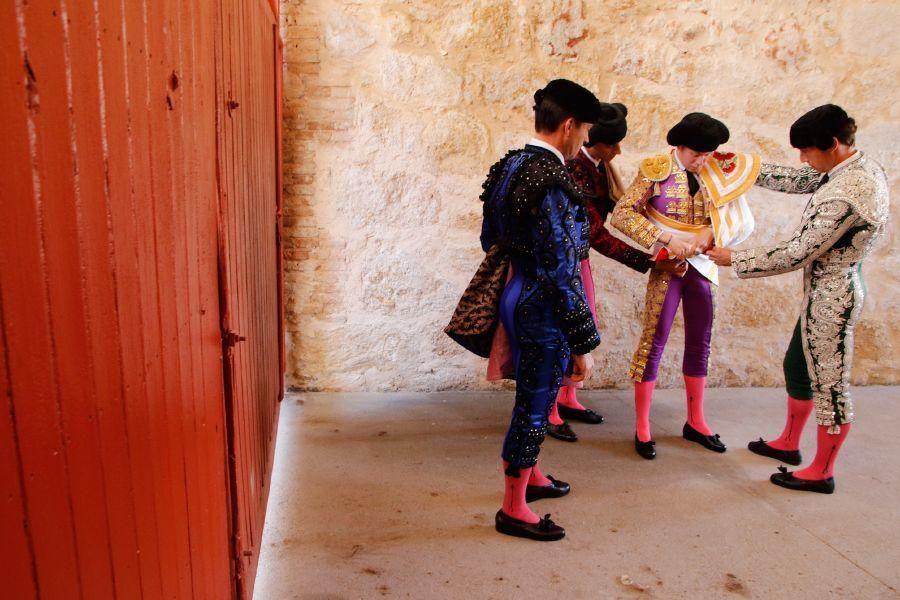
x=500 y=364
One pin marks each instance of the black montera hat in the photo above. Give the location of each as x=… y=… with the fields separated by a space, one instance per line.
x=611 y=126
x=699 y=132
x=820 y=126
x=572 y=98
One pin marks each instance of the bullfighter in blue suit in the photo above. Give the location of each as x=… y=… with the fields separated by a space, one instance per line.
x=534 y=212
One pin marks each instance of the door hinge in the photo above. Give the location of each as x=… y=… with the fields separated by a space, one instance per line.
x=230 y=338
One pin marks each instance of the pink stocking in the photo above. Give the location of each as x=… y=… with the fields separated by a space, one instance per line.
x=827 y=448
x=695 y=388
x=538 y=478
x=643 y=397
x=514 y=504
x=571 y=398
x=554 y=418
x=797 y=415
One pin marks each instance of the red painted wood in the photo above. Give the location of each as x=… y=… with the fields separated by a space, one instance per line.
x=211 y=425
x=140 y=219
x=94 y=200
x=249 y=216
x=17 y=554
x=62 y=226
x=29 y=333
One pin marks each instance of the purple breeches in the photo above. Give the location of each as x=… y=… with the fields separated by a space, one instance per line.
x=695 y=292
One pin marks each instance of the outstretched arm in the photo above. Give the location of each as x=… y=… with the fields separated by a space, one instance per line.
x=823 y=224
x=788 y=179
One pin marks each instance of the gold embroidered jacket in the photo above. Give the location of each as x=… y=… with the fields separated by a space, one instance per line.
x=660 y=188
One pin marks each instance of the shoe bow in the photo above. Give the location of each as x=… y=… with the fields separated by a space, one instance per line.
x=546 y=524
x=782 y=468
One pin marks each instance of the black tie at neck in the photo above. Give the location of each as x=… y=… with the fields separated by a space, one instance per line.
x=693 y=184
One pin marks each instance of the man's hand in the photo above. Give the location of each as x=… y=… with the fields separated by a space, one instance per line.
x=678 y=248
x=720 y=256
x=581 y=369
x=704 y=240
x=673 y=265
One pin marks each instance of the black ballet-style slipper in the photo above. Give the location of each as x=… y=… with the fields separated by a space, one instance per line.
x=711 y=442
x=562 y=432
x=544 y=530
x=556 y=489
x=645 y=449
x=761 y=447
x=584 y=415
x=786 y=479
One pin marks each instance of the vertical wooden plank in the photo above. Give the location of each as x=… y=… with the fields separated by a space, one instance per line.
x=226 y=104
x=75 y=484
x=237 y=260
x=188 y=66
x=123 y=73
x=89 y=107
x=181 y=301
x=66 y=177
x=211 y=427
x=161 y=107
x=243 y=255
x=17 y=566
x=17 y=555
x=145 y=171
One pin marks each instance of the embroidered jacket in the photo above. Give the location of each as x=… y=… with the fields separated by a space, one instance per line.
x=533 y=211
x=594 y=186
x=660 y=186
x=838 y=229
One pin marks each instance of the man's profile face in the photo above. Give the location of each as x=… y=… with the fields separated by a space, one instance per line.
x=820 y=160
x=606 y=152
x=576 y=134
x=692 y=160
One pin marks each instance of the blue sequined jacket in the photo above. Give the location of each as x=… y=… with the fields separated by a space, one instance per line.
x=534 y=212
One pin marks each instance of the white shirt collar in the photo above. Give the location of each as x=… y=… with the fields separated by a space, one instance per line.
x=546 y=146
x=678 y=161
x=843 y=164
x=596 y=161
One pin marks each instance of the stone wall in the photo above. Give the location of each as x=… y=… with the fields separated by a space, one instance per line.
x=395 y=110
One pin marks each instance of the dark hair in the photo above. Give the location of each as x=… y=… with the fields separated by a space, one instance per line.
x=821 y=125
x=548 y=116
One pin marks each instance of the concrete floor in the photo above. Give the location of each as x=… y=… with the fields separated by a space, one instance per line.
x=394 y=495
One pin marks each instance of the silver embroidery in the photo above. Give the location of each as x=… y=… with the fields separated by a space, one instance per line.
x=838 y=230
x=788 y=179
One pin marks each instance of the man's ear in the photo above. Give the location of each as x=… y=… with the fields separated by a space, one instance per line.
x=569 y=126
x=834 y=144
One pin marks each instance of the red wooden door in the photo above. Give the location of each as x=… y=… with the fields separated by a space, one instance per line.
x=112 y=430
x=249 y=173
x=138 y=216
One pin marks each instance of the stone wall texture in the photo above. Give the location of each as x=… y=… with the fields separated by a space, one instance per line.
x=395 y=110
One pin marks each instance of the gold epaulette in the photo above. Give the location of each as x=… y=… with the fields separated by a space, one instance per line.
x=657 y=168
